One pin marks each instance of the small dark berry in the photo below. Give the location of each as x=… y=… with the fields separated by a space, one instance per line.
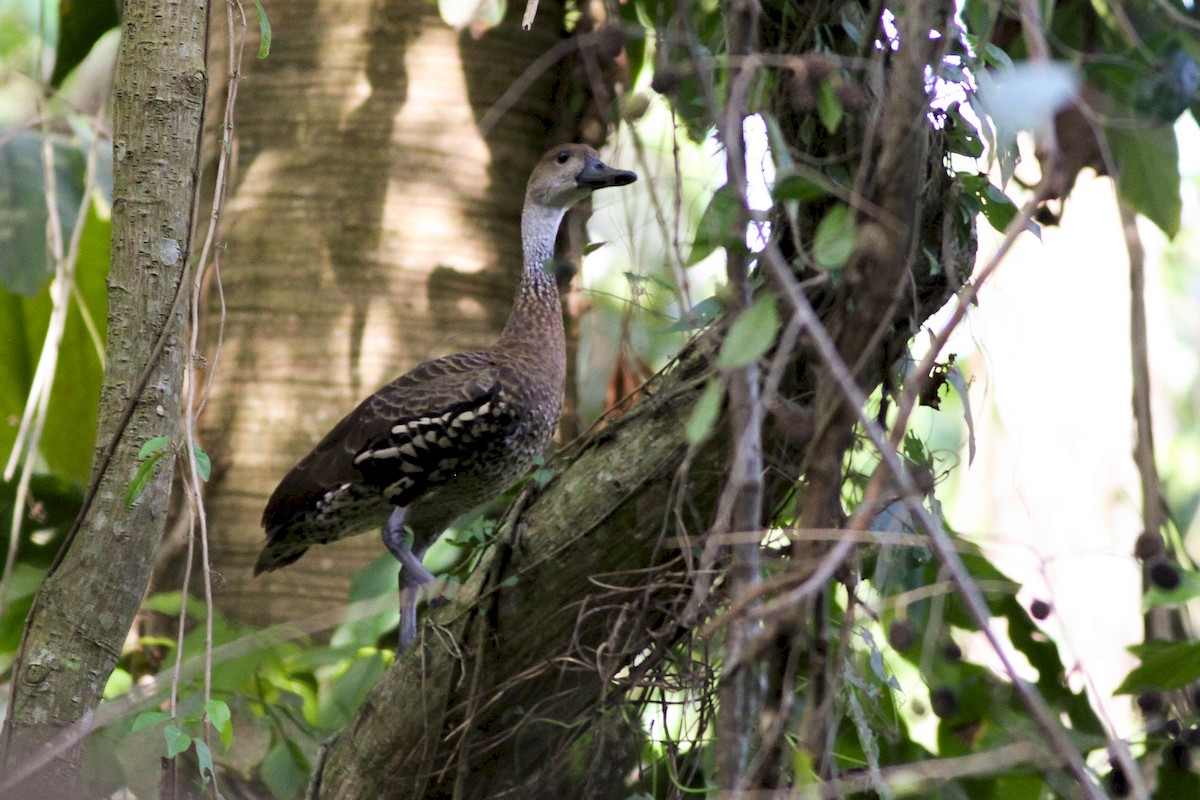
x=1039 y=609
x=1172 y=728
x=1165 y=576
x=1192 y=736
x=1045 y=216
x=952 y=651
x=1118 y=784
x=1148 y=546
x=666 y=79
x=1151 y=703
x=902 y=635
x=944 y=702
x=1177 y=755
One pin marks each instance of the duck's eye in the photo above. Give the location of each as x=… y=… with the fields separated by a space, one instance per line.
x=563 y=157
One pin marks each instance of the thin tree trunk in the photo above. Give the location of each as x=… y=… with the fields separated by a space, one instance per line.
x=86 y=605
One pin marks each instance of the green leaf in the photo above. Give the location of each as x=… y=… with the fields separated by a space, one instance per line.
x=218 y=715
x=153 y=445
x=81 y=24
x=148 y=719
x=961 y=135
x=1165 y=666
x=203 y=462
x=751 y=334
x=984 y=197
x=703 y=313
x=264 y=31
x=24 y=255
x=141 y=478
x=177 y=740
x=829 y=107
x=716 y=227
x=834 y=240
x=282 y=772
x=797 y=187
x=958 y=381
x=70 y=430
x=204 y=756
x=704 y=415
x=1148 y=177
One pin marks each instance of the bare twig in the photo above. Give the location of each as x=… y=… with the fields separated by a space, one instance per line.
x=740 y=505
x=939 y=540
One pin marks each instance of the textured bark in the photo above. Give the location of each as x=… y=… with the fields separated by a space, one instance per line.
x=520 y=662
x=86 y=605
x=372 y=227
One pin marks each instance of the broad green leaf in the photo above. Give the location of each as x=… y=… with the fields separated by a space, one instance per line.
x=218 y=714
x=751 y=334
x=1175 y=780
x=834 y=240
x=70 y=431
x=283 y=774
x=797 y=187
x=148 y=719
x=962 y=136
x=264 y=31
x=780 y=149
x=716 y=227
x=153 y=445
x=704 y=414
x=1148 y=178
x=956 y=379
x=986 y=198
x=81 y=24
x=346 y=692
x=702 y=314
x=141 y=478
x=1165 y=666
x=24 y=256
x=178 y=740
x=203 y=462
x=204 y=756
x=829 y=107
x=119 y=682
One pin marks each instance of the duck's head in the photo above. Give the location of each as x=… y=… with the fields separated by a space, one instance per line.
x=570 y=172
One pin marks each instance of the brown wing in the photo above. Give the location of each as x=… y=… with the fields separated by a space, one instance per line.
x=431 y=388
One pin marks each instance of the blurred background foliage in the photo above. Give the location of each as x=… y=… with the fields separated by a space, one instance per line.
x=915 y=683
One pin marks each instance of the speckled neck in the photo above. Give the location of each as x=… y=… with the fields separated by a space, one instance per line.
x=536 y=318
x=539 y=229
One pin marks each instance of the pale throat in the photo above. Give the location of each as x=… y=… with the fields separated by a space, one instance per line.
x=539 y=229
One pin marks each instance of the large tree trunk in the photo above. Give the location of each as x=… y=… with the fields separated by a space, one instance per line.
x=373 y=226
x=85 y=607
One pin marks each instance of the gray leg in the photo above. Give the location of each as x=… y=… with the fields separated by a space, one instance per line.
x=413 y=575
